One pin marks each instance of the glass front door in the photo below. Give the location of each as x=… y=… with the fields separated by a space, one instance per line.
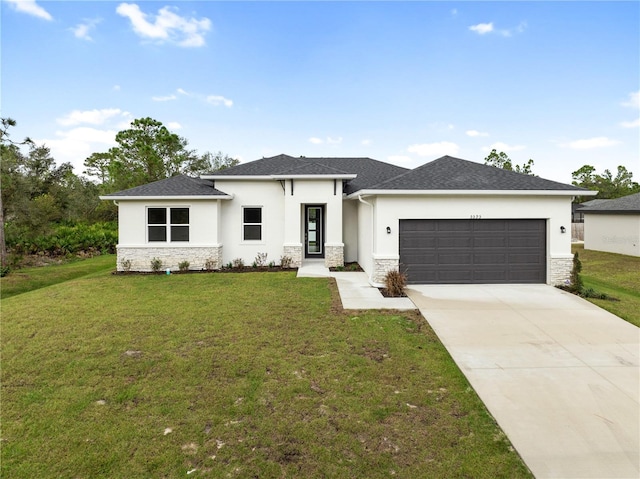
x=314 y=234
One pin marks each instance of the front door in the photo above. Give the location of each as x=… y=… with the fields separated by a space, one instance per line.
x=314 y=231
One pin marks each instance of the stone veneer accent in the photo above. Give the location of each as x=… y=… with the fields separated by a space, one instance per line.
x=381 y=266
x=333 y=255
x=293 y=251
x=171 y=257
x=559 y=270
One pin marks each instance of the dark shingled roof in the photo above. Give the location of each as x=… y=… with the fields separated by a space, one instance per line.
x=626 y=205
x=369 y=172
x=180 y=185
x=449 y=173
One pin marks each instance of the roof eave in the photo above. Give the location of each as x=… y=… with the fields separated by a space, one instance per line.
x=355 y=194
x=166 y=197
x=279 y=177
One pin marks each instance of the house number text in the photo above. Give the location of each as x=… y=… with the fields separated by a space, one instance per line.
x=475 y=217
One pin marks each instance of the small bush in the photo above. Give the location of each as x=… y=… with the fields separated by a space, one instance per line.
x=286 y=262
x=125 y=264
x=272 y=264
x=4 y=271
x=238 y=263
x=183 y=266
x=210 y=264
x=576 y=280
x=156 y=265
x=229 y=265
x=395 y=282
x=261 y=260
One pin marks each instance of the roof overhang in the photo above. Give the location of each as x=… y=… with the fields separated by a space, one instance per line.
x=470 y=193
x=165 y=198
x=278 y=177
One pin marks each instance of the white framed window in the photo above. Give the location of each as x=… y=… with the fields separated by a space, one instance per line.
x=168 y=225
x=252 y=223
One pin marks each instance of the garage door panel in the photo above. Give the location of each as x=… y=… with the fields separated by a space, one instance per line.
x=473 y=251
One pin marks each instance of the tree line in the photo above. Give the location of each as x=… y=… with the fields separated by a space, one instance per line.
x=47 y=208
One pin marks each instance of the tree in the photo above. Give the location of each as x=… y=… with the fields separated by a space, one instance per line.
x=502 y=160
x=146 y=152
x=210 y=162
x=608 y=185
x=8 y=147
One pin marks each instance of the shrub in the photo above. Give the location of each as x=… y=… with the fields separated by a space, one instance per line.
x=156 y=265
x=261 y=260
x=237 y=263
x=210 y=264
x=286 y=262
x=576 y=280
x=4 y=271
x=395 y=282
x=183 y=266
x=125 y=264
x=272 y=264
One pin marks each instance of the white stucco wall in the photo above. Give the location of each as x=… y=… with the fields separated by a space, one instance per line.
x=203 y=225
x=366 y=219
x=350 y=230
x=282 y=215
x=612 y=233
x=389 y=210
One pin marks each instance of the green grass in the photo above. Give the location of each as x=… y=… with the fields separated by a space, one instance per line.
x=28 y=279
x=254 y=375
x=616 y=275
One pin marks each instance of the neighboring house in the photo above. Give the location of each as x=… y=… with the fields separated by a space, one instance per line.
x=448 y=221
x=613 y=225
x=577 y=216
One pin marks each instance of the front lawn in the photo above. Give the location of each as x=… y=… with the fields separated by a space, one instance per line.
x=616 y=275
x=232 y=375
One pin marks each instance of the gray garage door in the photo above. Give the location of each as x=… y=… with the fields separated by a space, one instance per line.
x=473 y=251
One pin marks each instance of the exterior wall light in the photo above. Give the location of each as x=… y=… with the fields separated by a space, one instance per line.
x=563 y=230
x=388 y=230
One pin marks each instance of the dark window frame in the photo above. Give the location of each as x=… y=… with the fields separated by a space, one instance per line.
x=174 y=229
x=252 y=230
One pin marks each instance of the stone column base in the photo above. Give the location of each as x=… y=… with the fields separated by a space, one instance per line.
x=381 y=266
x=560 y=270
x=293 y=251
x=333 y=255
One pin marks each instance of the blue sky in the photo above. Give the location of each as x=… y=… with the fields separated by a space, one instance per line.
x=403 y=82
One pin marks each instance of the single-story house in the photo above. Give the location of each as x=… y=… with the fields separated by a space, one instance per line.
x=613 y=225
x=447 y=221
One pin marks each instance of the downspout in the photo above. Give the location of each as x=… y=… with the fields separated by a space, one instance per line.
x=372 y=232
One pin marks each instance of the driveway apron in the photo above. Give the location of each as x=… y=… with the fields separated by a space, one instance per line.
x=559 y=374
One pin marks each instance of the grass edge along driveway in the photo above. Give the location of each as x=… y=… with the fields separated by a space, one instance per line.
x=232 y=375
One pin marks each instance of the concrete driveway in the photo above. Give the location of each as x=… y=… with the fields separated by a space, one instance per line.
x=559 y=374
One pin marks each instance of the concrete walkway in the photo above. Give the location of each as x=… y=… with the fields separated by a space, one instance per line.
x=355 y=290
x=559 y=374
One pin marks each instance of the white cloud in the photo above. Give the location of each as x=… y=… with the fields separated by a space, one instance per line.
x=328 y=140
x=77 y=144
x=630 y=124
x=219 y=100
x=174 y=125
x=166 y=26
x=482 y=28
x=81 y=30
x=182 y=92
x=164 y=98
x=92 y=117
x=500 y=146
x=434 y=149
x=475 y=133
x=590 y=143
x=633 y=101
x=366 y=142
x=30 y=7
